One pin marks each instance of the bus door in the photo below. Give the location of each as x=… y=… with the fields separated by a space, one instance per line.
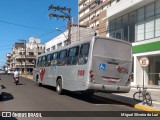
x=72 y=61
x=83 y=66
x=44 y=70
x=53 y=68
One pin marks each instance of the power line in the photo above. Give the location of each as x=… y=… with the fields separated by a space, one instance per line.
x=25 y=26
x=5 y=45
x=48 y=33
x=64 y=12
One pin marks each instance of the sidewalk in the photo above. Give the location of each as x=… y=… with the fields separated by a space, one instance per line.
x=27 y=76
x=127 y=99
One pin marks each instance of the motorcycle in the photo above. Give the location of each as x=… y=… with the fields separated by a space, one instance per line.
x=16 y=80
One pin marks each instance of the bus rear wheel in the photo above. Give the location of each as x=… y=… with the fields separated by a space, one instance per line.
x=59 y=86
x=38 y=83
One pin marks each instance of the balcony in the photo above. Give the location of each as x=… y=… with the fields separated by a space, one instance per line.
x=27 y=57
x=93 y=10
x=23 y=63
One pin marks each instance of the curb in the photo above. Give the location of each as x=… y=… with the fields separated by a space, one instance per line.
x=141 y=107
x=136 y=106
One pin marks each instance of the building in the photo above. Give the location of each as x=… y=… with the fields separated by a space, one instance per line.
x=21 y=60
x=138 y=22
x=92 y=13
x=8 y=61
x=77 y=33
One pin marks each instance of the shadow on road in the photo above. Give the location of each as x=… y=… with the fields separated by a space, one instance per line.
x=10 y=118
x=21 y=84
x=6 y=96
x=77 y=95
x=49 y=87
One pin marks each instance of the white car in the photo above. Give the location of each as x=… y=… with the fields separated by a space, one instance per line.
x=0 y=88
x=2 y=72
x=10 y=72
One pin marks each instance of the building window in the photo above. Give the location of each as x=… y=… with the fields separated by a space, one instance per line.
x=149 y=28
x=149 y=11
x=59 y=45
x=140 y=30
x=31 y=53
x=65 y=42
x=117 y=0
x=48 y=49
x=157 y=18
x=157 y=24
x=125 y=28
x=141 y=24
x=53 y=47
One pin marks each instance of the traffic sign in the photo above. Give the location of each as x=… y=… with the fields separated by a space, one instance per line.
x=144 y=61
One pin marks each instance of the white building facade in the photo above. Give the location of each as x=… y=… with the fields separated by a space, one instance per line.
x=25 y=60
x=138 y=22
x=77 y=34
x=92 y=13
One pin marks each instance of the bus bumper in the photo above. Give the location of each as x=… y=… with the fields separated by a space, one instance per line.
x=110 y=88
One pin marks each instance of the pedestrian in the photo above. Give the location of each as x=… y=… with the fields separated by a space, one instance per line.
x=16 y=74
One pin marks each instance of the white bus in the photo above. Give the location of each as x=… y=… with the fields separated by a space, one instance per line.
x=98 y=64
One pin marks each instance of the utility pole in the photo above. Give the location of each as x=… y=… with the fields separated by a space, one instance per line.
x=24 y=42
x=65 y=13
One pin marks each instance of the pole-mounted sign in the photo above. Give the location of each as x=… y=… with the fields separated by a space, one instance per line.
x=144 y=62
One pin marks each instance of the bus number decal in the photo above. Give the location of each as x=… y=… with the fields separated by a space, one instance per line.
x=81 y=72
x=42 y=72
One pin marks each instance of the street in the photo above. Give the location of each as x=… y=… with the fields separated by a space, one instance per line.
x=27 y=96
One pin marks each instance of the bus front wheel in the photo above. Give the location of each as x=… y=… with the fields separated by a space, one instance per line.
x=59 y=86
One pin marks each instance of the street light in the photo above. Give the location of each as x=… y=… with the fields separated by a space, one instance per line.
x=62 y=33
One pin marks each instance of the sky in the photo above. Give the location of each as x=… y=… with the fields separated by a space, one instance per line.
x=21 y=19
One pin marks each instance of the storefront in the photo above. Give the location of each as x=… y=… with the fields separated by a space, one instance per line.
x=151 y=50
x=139 y=24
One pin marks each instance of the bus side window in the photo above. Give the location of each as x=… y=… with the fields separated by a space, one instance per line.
x=43 y=63
x=83 y=56
x=54 y=58
x=48 y=62
x=39 y=61
x=35 y=63
x=62 y=57
x=73 y=56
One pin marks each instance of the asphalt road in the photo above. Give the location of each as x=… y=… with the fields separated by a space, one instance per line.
x=27 y=96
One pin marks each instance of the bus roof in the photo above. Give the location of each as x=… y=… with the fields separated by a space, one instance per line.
x=82 y=42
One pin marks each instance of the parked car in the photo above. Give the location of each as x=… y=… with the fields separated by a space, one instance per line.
x=0 y=88
x=2 y=72
x=10 y=72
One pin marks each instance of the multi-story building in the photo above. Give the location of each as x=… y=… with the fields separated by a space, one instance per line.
x=8 y=60
x=92 y=13
x=138 y=22
x=77 y=34
x=22 y=60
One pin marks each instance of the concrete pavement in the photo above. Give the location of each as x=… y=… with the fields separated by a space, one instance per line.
x=127 y=99
x=27 y=76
